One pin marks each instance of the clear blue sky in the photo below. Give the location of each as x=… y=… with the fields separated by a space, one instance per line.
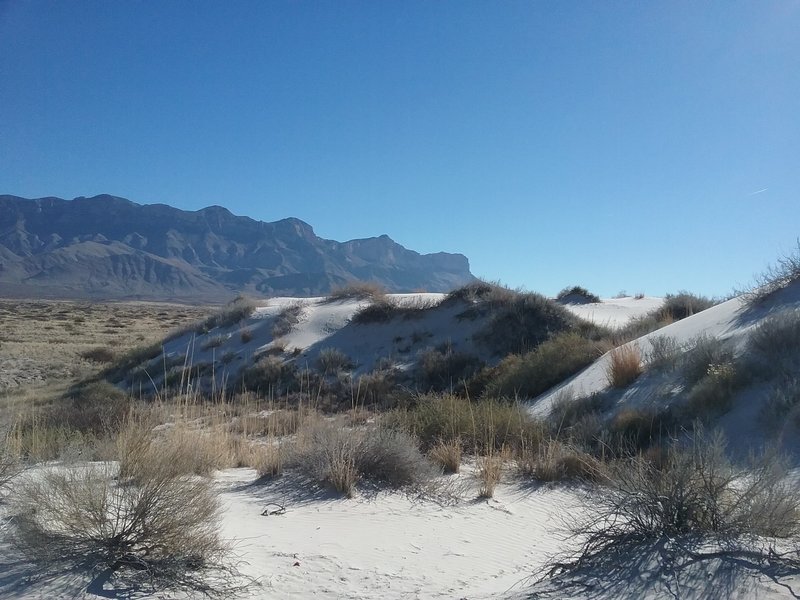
x=645 y=146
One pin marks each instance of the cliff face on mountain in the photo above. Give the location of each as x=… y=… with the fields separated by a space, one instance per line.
x=107 y=247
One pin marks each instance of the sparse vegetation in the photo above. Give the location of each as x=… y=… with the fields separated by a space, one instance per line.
x=357 y=290
x=333 y=360
x=784 y=272
x=445 y=369
x=681 y=305
x=286 y=320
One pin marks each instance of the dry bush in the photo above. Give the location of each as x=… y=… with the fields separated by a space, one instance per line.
x=285 y=320
x=782 y=403
x=271 y=422
x=556 y=461
x=270 y=376
x=664 y=353
x=625 y=366
x=214 y=342
x=333 y=360
x=552 y=362
x=234 y=312
x=341 y=456
x=357 y=290
x=246 y=336
x=447 y=454
x=85 y=517
x=777 y=277
x=99 y=354
x=269 y=459
x=187 y=451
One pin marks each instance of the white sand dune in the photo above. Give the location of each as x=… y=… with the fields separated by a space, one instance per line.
x=615 y=312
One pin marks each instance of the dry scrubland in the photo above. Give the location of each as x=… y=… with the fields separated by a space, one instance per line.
x=656 y=490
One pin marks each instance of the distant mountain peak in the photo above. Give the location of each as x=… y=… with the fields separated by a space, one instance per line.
x=106 y=246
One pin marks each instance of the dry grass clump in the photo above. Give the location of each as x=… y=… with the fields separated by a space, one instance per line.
x=356 y=290
x=447 y=454
x=123 y=367
x=554 y=460
x=782 y=402
x=683 y=304
x=774 y=345
x=554 y=360
x=625 y=366
x=489 y=471
x=712 y=395
x=269 y=459
x=246 y=336
x=234 y=312
x=214 y=342
x=270 y=376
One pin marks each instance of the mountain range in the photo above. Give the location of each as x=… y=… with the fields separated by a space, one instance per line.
x=106 y=247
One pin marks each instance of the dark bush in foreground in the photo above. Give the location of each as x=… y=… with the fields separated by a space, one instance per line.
x=441 y=371
x=683 y=304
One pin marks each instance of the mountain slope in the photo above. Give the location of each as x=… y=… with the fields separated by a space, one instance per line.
x=109 y=247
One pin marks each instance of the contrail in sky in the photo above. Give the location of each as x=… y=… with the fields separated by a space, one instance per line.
x=757 y=192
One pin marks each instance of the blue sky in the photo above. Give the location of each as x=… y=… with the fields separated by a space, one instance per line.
x=638 y=146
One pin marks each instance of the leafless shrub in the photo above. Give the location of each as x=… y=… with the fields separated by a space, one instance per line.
x=625 y=365
x=695 y=492
x=774 y=345
x=162 y=525
x=246 y=336
x=702 y=353
x=683 y=304
x=785 y=272
x=713 y=394
x=214 y=342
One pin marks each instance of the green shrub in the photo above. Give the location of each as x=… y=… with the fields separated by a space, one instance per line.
x=479 y=426
x=683 y=304
x=552 y=362
x=520 y=323
x=438 y=371
x=576 y=295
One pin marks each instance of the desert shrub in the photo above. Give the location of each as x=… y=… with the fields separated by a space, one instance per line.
x=332 y=360
x=664 y=353
x=97 y=407
x=782 y=401
x=377 y=387
x=633 y=430
x=286 y=319
x=447 y=454
x=186 y=451
x=9 y=462
x=703 y=352
x=437 y=370
x=270 y=375
x=576 y=295
x=713 y=394
x=783 y=273
x=392 y=457
x=214 y=342
x=356 y=290
x=481 y=426
x=624 y=366
x=86 y=517
x=341 y=456
x=567 y=410
x=274 y=423
x=537 y=371
x=269 y=459
x=639 y=326
x=683 y=304
x=246 y=336
x=99 y=354
x=235 y=312
x=479 y=291
x=555 y=461
x=774 y=344
x=522 y=322
x=125 y=364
